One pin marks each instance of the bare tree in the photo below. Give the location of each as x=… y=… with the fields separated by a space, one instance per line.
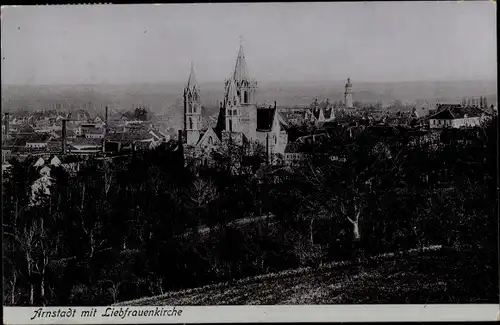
x=203 y=192
x=27 y=241
x=108 y=177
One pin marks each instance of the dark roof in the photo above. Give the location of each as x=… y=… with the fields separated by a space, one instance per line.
x=293 y=147
x=128 y=136
x=95 y=131
x=452 y=111
x=37 y=137
x=328 y=112
x=265 y=118
x=69 y=133
x=86 y=141
x=142 y=145
x=7 y=143
x=26 y=129
x=87 y=125
x=54 y=145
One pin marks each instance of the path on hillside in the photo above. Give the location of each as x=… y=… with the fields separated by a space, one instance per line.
x=424 y=277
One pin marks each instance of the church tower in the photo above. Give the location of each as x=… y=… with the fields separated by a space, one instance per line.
x=348 y=94
x=192 y=110
x=238 y=111
x=231 y=106
x=245 y=87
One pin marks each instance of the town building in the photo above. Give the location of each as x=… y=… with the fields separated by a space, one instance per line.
x=37 y=141
x=95 y=133
x=457 y=116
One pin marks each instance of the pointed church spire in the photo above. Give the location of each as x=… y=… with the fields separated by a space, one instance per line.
x=232 y=92
x=192 y=77
x=241 y=70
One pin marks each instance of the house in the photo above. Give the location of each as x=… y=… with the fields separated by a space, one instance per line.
x=94 y=133
x=456 y=116
x=293 y=154
x=324 y=114
x=116 y=142
x=79 y=115
x=84 y=128
x=97 y=120
x=70 y=134
x=138 y=127
x=159 y=136
x=26 y=129
x=6 y=155
x=85 y=146
x=296 y=115
x=37 y=141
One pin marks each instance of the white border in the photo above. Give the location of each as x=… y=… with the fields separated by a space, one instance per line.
x=246 y=314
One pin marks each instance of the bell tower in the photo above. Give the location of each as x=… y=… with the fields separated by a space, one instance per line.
x=192 y=110
x=245 y=86
x=348 y=94
x=231 y=106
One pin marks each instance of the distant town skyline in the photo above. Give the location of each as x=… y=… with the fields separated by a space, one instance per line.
x=366 y=41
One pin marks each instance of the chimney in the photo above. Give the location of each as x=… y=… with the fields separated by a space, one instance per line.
x=274 y=104
x=63 y=142
x=7 y=121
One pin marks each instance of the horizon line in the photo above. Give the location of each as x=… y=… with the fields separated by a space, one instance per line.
x=263 y=81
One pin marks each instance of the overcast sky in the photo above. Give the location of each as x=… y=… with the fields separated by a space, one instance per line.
x=374 y=41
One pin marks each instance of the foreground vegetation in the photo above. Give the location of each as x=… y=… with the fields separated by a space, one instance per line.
x=122 y=230
x=416 y=277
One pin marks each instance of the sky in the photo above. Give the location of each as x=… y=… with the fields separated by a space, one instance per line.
x=366 y=41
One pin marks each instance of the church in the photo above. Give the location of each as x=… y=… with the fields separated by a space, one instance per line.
x=240 y=120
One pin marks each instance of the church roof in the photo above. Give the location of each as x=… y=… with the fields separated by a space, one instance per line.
x=231 y=90
x=265 y=117
x=241 y=70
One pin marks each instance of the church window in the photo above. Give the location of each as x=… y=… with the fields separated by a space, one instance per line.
x=234 y=112
x=190 y=124
x=245 y=97
x=230 y=126
x=210 y=141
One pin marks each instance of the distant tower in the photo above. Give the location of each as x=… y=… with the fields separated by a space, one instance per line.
x=192 y=110
x=348 y=94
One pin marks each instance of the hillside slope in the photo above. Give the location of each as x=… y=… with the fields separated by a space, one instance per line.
x=432 y=275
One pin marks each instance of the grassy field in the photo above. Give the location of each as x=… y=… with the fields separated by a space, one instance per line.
x=432 y=275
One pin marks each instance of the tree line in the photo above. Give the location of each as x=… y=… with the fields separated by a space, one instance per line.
x=128 y=228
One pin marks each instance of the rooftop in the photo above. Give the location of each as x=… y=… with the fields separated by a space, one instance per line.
x=265 y=117
x=37 y=138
